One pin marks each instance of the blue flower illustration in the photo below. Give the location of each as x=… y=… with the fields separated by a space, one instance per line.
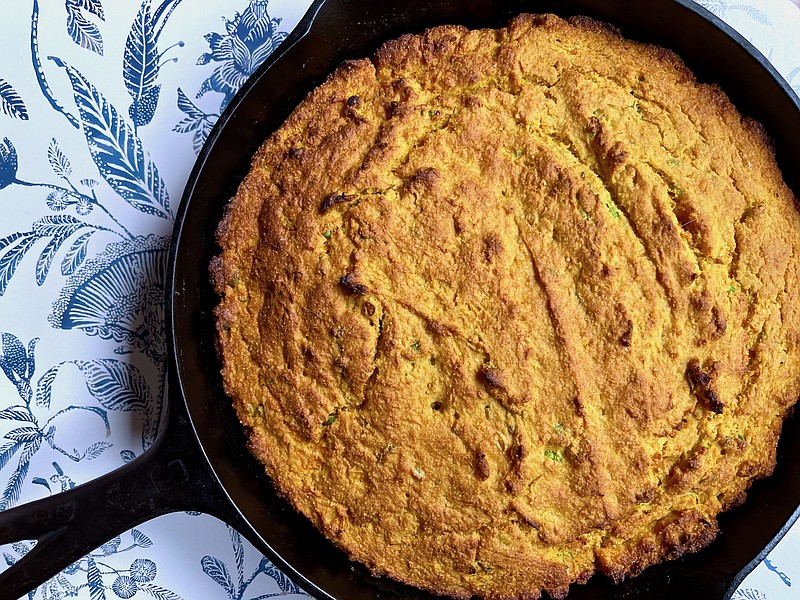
x=124 y=586
x=143 y=570
x=95 y=574
x=119 y=295
x=248 y=39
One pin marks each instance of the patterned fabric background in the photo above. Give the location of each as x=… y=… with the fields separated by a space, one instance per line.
x=104 y=105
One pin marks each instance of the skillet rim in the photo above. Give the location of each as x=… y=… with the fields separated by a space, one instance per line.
x=179 y=235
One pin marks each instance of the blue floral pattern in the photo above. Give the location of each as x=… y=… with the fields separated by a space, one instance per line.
x=98 y=126
x=249 y=38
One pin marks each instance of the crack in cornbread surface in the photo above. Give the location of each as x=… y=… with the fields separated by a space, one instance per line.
x=503 y=308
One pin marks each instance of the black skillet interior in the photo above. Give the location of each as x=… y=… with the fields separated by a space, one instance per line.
x=345 y=29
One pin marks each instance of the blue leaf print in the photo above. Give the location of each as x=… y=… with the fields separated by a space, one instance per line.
x=11 y=259
x=783 y=576
x=286 y=585
x=82 y=31
x=116 y=149
x=56 y=225
x=158 y=592
x=93 y=6
x=58 y=160
x=115 y=384
x=186 y=106
x=238 y=552
x=216 y=569
x=14 y=487
x=141 y=66
x=7 y=452
x=23 y=434
x=16 y=413
x=9 y=162
x=76 y=254
x=196 y=121
x=10 y=102
x=44 y=388
x=96 y=450
x=748 y=594
x=94 y=579
x=61 y=227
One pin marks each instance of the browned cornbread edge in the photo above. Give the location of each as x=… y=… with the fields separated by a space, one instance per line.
x=330 y=145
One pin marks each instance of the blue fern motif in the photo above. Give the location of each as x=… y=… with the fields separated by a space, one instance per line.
x=116 y=149
x=58 y=228
x=59 y=161
x=76 y=254
x=10 y=102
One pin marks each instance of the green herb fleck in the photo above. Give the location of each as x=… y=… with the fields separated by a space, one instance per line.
x=327 y=234
x=673 y=161
x=234 y=280
x=331 y=418
x=226 y=328
x=554 y=455
x=559 y=428
x=585 y=215
x=418 y=472
x=613 y=210
x=517 y=153
x=740 y=436
x=415 y=346
x=485 y=568
x=434 y=113
x=732 y=289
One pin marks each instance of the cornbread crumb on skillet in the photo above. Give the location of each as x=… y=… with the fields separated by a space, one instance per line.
x=503 y=308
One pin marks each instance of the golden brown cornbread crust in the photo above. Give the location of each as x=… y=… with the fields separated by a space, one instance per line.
x=502 y=308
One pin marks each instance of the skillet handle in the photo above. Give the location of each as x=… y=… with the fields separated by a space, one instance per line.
x=171 y=476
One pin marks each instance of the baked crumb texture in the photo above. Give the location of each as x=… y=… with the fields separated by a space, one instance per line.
x=504 y=308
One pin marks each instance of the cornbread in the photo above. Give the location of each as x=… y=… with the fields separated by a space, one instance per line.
x=501 y=309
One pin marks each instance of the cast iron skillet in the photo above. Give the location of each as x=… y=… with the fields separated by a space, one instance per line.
x=200 y=461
